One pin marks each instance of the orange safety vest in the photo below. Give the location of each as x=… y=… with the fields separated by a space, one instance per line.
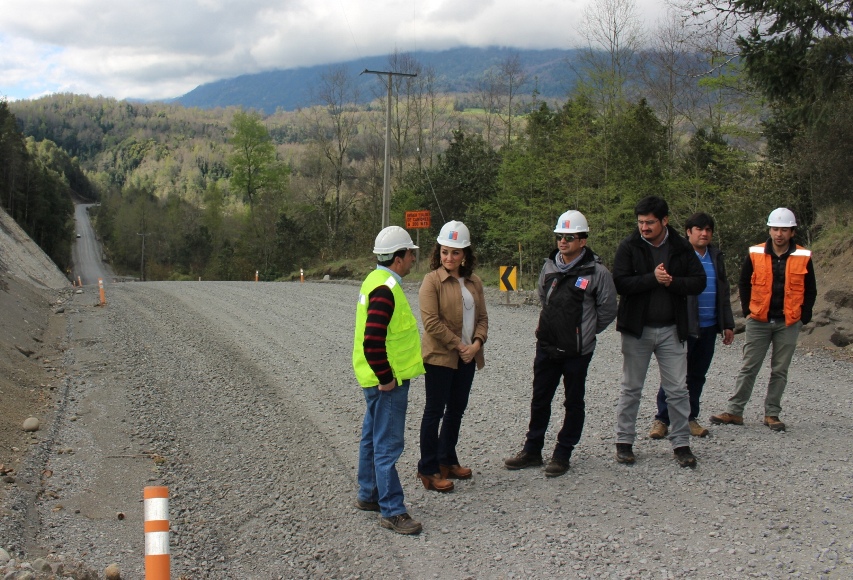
x=796 y=268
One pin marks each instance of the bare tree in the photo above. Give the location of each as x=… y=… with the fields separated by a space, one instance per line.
x=488 y=95
x=613 y=34
x=670 y=68
x=332 y=128
x=513 y=78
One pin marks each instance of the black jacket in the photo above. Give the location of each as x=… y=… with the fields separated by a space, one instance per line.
x=576 y=305
x=634 y=276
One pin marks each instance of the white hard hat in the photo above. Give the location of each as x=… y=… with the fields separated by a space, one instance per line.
x=454 y=235
x=571 y=222
x=782 y=217
x=391 y=239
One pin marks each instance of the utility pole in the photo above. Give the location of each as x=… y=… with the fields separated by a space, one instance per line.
x=142 y=262
x=386 y=178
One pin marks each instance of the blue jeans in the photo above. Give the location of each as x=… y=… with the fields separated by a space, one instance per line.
x=546 y=377
x=671 y=355
x=447 y=392
x=700 y=352
x=381 y=446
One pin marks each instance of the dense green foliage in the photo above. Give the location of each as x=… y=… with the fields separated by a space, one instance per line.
x=37 y=180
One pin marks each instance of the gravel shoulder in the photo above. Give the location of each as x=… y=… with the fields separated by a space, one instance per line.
x=240 y=398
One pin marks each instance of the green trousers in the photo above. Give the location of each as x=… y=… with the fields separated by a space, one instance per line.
x=759 y=337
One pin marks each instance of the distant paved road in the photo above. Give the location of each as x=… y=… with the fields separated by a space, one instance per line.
x=86 y=251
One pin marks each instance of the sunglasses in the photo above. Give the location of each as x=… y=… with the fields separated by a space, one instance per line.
x=566 y=237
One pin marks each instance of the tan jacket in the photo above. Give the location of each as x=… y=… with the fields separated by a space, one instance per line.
x=440 y=299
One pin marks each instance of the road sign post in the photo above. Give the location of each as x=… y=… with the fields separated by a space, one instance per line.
x=507 y=281
x=418 y=220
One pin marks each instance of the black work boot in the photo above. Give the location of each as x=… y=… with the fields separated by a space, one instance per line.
x=523 y=459
x=625 y=453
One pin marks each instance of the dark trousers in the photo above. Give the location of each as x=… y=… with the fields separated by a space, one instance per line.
x=700 y=352
x=546 y=377
x=447 y=393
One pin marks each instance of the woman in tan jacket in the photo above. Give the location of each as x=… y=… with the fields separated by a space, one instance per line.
x=456 y=325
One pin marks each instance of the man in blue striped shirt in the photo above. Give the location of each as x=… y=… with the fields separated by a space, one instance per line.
x=709 y=314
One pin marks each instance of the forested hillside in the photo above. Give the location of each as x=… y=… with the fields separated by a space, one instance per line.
x=460 y=71
x=222 y=193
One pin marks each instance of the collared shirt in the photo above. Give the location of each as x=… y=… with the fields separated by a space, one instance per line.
x=392 y=272
x=665 y=238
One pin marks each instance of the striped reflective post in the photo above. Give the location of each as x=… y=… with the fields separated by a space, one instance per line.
x=101 y=291
x=156 y=510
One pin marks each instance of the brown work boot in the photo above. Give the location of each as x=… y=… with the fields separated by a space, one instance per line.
x=697 y=430
x=659 y=429
x=727 y=419
x=774 y=423
x=523 y=459
x=402 y=524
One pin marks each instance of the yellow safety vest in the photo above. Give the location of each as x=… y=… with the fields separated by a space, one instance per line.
x=402 y=343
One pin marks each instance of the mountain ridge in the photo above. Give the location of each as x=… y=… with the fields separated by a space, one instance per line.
x=459 y=70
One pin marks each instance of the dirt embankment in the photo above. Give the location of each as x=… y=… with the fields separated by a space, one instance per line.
x=32 y=290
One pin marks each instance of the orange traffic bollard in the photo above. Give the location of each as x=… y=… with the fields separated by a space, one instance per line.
x=101 y=291
x=301 y=275
x=256 y=275
x=156 y=510
x=79 y=282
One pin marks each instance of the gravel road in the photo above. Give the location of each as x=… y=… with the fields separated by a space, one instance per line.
x=240 y=398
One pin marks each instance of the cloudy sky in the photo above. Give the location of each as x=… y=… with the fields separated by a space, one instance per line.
x=165 y=48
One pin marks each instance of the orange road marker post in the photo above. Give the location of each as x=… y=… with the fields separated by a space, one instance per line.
x=256 y=275
x=101 y=291
x=79 y=282
x=301 y=275
x=156 y=510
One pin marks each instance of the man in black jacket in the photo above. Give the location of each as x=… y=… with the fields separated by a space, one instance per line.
x=655 y=269
x=709 y=314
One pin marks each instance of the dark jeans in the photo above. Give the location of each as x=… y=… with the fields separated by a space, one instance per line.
x=546 y=378
x=447 y=393
x=700 y=352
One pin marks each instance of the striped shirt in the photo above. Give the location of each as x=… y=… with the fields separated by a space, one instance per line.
x=708 y=298
x=380 y=308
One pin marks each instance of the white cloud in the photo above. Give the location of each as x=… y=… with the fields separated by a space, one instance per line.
x=160 y=48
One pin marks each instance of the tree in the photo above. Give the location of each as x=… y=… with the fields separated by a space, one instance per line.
x=612 y=31
x=512 y=79
x=252 y=157
x=333 y=127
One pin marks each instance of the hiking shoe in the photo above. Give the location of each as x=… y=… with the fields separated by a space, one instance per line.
x=523 y=459
x=402 y=524
x=774 y=423
x=727 y=419
x=625 y=453
x=684 y=456
x=697 y=430
x=659 y=430
x=556 y=467
x=368 y=506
